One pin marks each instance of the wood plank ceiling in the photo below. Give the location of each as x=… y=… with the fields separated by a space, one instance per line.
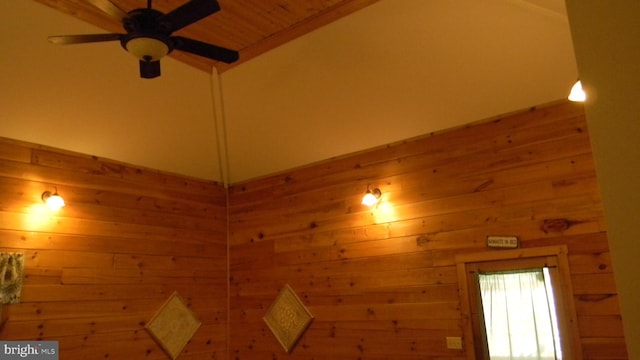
x=251 y=27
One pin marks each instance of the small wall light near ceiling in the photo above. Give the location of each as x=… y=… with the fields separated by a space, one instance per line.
x=371 y=197
x=53 y=200
x=577 y=94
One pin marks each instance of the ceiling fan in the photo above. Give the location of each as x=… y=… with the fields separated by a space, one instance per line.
x=148 y=33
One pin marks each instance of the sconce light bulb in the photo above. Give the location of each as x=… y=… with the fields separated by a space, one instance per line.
x=371 y=197
x=53 y=200
x=577 y=93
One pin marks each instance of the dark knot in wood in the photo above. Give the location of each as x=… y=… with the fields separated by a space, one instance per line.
x=556 y=225
x=422 y=240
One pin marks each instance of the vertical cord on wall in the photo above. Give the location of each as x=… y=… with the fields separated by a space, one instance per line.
x=228 y=276
x=223 y=163
x=220 y=125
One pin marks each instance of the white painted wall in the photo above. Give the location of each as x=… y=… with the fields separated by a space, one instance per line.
x=89 y=98
x=394 y=70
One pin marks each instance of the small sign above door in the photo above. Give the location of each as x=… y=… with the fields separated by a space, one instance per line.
x=510 y=242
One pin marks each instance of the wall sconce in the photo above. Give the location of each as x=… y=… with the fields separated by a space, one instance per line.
x=53 y=200
x=577 y=94
x=371 y=197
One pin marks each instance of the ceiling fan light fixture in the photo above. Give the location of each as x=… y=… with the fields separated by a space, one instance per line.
x=147 y=48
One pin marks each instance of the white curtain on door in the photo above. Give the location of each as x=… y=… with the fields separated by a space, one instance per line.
x=520 y=316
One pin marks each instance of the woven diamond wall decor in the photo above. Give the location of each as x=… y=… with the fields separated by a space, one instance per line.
x=287 y=318
x=173 y=326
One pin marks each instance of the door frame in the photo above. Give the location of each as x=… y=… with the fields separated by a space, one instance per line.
x=561 y=282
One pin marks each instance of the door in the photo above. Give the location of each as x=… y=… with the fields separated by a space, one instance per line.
x=533 y=281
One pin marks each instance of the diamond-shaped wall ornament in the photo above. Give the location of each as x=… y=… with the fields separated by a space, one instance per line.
x=173 y=326
x=287 y=318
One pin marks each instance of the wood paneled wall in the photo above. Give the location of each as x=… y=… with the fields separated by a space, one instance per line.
x=381 y=282
x=101 y=267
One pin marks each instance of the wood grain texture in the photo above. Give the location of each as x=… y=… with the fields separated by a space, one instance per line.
x=99 y=269
x=381 y=282
x=251 y=27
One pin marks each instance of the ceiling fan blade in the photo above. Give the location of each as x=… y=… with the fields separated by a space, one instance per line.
x=189 y=12
x=149 y=69
x=110 y=8
x=203 y=49
x=81 y=39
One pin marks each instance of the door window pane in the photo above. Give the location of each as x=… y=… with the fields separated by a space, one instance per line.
x=519 y=315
